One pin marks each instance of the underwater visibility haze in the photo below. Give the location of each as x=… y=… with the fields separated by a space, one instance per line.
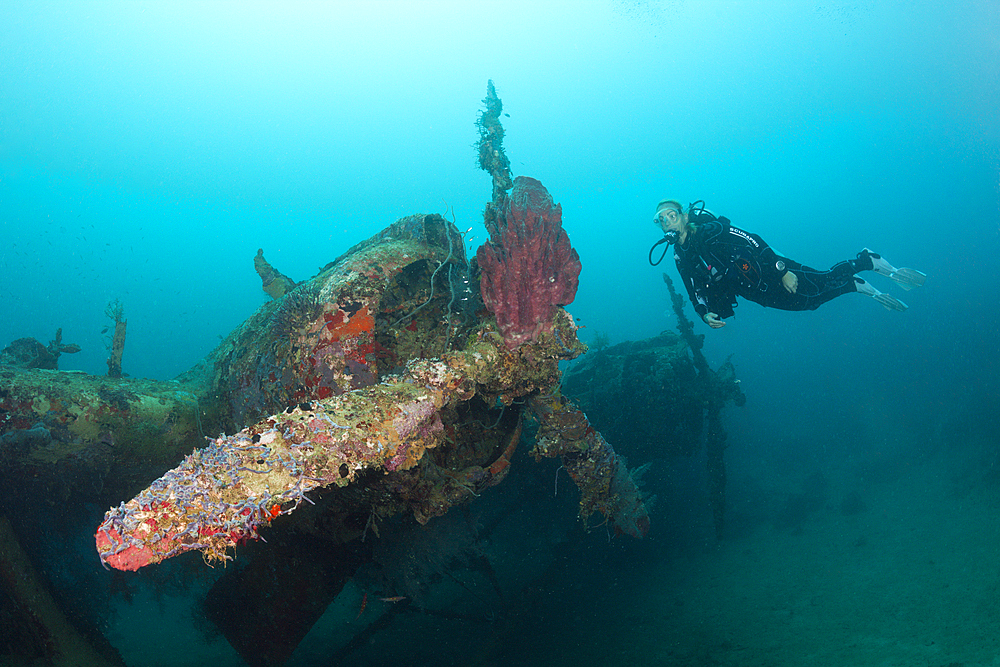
x=148 y=150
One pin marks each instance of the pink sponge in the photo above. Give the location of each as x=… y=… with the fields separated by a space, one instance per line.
x=528 y=266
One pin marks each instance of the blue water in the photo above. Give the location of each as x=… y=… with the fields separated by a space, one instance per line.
x=147 y=150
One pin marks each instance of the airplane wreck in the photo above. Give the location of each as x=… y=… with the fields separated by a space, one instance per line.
x=355 y=407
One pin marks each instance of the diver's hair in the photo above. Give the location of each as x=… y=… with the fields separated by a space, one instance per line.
x=669 y=203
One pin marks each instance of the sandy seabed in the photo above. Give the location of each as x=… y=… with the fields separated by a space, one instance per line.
x=910 y=580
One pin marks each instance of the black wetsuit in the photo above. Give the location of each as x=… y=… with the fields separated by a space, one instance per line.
x=720 y=262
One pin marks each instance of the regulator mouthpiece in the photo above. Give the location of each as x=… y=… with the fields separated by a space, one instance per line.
x=670 y=237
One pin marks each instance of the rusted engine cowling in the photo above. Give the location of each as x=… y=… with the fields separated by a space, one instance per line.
x=401 y=294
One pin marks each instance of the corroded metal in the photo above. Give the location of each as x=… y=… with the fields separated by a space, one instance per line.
x=72 y=433
x=605 y=483
x=346 y=327
x=221 y=495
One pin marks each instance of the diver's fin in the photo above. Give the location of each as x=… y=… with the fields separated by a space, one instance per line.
x=888 y=301
x=908 y=278
x=879 y=263
x=905 y=278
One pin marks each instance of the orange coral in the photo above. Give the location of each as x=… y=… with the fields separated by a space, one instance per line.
x=342 y=325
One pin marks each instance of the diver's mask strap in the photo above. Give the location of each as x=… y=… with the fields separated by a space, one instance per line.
x=669 y=238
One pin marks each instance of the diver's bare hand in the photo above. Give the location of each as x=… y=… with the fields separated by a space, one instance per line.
x=712 y=320
x=790 y=282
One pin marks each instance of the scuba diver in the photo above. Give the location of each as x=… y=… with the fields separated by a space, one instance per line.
x=718 y=261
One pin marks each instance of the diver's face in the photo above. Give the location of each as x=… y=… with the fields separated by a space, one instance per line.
x=669 y=219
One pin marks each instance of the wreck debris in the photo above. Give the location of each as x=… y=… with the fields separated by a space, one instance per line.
x=57 y=347
x=26 y=352
x=675 y=400
x=492 y=157
x=719 y=386
x=657 y=379
x=529 y=271
x=222 y=495
x=605 y=484
x=67 y=431
x=673 y=409
x=326 y=350
x=274 y=283
x=115 y=311
x=29 y=353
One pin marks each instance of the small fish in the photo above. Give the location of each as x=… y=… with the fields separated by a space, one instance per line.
x=364 y=603
x=394 y=598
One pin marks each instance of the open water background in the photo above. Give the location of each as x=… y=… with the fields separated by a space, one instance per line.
x=148 y=149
